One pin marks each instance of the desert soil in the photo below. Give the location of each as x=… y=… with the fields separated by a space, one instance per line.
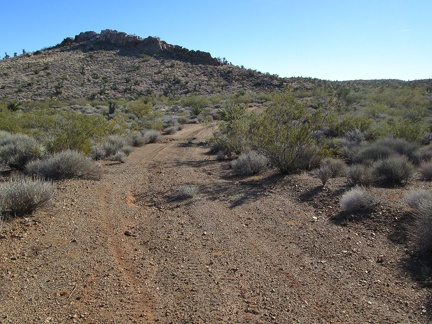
x=262 y=249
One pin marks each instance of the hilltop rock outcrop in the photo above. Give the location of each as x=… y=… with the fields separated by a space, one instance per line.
x=152 y=46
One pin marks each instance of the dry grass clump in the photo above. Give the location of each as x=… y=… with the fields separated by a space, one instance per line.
x=357 y=199
x=21 y=195
x=64 y=165
x=249 y=163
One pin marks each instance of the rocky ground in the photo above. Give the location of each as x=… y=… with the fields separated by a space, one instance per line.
x=133 y=248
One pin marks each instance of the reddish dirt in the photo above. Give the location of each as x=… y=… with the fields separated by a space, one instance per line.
x=262 y=249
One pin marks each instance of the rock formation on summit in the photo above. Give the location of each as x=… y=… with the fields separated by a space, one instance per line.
x=152 y=46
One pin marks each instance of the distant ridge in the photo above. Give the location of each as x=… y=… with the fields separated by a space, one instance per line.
x=151 y=46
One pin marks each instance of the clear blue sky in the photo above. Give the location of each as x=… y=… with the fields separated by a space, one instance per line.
x=326 y=39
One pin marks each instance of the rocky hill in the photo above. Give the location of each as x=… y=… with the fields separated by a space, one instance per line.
x=113 y=64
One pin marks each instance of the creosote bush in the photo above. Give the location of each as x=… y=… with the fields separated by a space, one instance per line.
x=249 y=163
x=21 y=195
x=64 y=165
x=357 y=199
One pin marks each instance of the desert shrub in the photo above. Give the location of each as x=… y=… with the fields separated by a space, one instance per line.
x=137 y=139
x=324 y=174
x=283 y=133
x=119 y=156
x=421 y=231
x=426 y=170
x=20 y=195
x=151 y=135
x=111 y=147
x=113 y=144
x=416 y=197
x=16 y=150
x=196 y=103
x=400 y=145
x=394 y=170
x=249 y=164
x=187 y=191
x=64 y=165
x=171 y=130
x=355 y=136
x=232 y=138
x=337 y=167
x=232 y=112
x=359 y=174
x=372 y=152
x=422 y=154
x=357 y=199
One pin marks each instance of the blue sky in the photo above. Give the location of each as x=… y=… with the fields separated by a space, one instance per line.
x=326 y=39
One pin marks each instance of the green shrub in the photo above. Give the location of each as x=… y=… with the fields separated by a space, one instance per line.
x=357 y=199
x=64 y=165
x=394 y=170
x=20 y=196
x=16 y=150
x=284 y=135
x=249 y=164
x=196 y=103
x=233 y=138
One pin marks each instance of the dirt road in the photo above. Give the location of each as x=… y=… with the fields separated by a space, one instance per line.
x=130 y=249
